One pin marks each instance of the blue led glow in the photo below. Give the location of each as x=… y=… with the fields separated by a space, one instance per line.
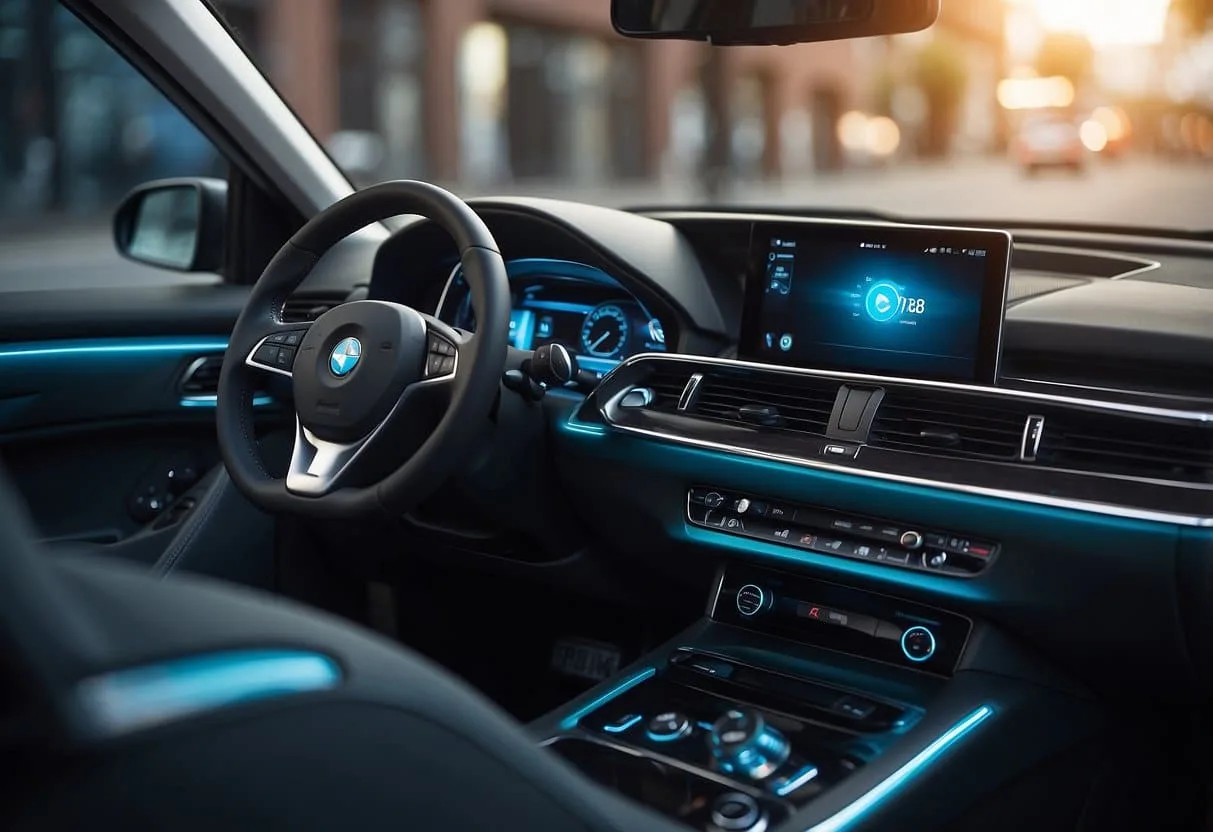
x=930 y=650
x=139 y=697
x=112 y=348
x=570 y=721
x=871 y=799
x=795 y=781
x=620 y=727
x=210 y=401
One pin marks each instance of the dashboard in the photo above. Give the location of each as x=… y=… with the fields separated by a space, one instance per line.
x=1049 y=467
x=572 y=304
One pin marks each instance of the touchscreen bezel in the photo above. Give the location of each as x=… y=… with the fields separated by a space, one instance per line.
x=997 y=243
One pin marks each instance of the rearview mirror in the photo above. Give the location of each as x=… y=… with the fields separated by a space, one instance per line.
x=174 y=223
x=737 y=22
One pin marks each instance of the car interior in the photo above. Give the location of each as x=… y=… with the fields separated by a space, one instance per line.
x=518 y=511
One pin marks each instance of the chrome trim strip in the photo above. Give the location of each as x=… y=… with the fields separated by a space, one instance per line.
x=996 y=493
x=688 y=393
x=1125 y=391
x=1204 y=417
x=249 y=362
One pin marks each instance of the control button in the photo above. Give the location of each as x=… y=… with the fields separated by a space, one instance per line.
x=895 y=556
x=843 y=525
x=981 y=550
x=279 y=338
x=668 y=727
x=713 y=500
x=936 y=561
x=784 y=786
x=864 y=551
x=736 y=812
x=448 y=365
x=918 y=644
x=751 y=600
x=890 y=533
x=286 y=357
x=292 y=339
x=778 y=513
x=742 y=743
x=734 y=524
x=433 y=364
x=910 y=539
x=266 y=354
x=743 y=505
x=839 y=451
x=781 y=534
x=866 y=528
x=936 y=540
x=622 y=724
x=758 y=508
x=854 y=707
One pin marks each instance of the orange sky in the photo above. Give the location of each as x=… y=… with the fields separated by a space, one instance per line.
x=1104 y=22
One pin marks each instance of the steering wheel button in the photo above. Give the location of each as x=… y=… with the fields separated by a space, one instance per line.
x=267 y=354
x=279 y=338
x=433 y=365
x=448 y=364
x=286 y=356
x=292 y=339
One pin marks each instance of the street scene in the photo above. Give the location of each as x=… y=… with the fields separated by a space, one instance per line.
x=1019 y=111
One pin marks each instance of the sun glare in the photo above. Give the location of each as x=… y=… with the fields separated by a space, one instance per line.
x=1104 y=22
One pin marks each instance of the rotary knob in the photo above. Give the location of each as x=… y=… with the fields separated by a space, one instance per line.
x=751 y=600
x=742 y=743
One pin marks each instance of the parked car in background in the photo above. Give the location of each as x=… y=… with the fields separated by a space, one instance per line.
x=1050 y=141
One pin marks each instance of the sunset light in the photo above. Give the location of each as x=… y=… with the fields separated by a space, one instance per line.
x=1104 y=22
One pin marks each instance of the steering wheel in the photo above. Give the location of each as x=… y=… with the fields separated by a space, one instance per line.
x=368 y=376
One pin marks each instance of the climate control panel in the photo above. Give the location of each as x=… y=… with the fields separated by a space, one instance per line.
x=841 y=618
x=887 y=542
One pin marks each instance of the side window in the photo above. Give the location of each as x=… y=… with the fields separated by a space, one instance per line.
x=79 y=127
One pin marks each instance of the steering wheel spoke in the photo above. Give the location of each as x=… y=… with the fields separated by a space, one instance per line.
x=275 y=352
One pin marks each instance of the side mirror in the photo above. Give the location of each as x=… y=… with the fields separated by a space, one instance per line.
x=174 y=224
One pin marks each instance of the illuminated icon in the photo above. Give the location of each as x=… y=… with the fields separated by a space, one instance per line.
x=815 y=612
x=835 y=544
x=544 y=329
x=783 y=533
x=770 y=338
x=883 y=302
x=656 y=331
x=772 y=257
x=863 y=551
x=785 y=342
x=934 y=250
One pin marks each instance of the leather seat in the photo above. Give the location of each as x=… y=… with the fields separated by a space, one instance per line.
x=113 y=731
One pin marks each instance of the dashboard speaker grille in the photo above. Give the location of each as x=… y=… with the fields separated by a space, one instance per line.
x=1116 y=444
x=946 y=424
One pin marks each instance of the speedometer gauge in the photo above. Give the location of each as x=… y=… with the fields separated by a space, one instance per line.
x=604 y=333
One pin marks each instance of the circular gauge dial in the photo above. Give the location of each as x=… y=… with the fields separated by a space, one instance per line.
x=604 y=333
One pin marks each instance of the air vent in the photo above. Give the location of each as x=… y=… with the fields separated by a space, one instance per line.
x=1116 y=444
x=303 y=309
x=667 y=385
x=948 y=424
x=202 y=376
x=793 y=403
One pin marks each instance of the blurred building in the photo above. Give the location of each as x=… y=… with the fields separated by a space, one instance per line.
x=496 y=90
x=979 y=29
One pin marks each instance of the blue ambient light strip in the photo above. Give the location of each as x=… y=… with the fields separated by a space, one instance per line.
x=855 y=811
x=210 y=401
x=112 y=347
x=141 y=697
x=570 y=721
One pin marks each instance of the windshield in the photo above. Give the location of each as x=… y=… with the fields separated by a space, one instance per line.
x=1081 y=112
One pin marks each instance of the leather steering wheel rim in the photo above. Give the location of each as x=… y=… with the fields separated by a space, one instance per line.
x=473 y=384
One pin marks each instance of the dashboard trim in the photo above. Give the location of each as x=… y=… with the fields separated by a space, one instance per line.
x=1203 y=417
x=1090 y=506
x=1087 y=506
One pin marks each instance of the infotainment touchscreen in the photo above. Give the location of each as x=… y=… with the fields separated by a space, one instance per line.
x=907 y=301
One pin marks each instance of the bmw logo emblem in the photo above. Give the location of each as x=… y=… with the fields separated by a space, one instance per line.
x=345 y=356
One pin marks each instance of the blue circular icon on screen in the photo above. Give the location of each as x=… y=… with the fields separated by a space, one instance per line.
x=785 y=342
x=883 y=302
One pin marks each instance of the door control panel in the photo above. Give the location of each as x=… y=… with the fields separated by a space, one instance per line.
x=887 y=542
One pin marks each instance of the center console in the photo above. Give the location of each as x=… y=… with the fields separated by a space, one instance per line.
x=724 y=733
